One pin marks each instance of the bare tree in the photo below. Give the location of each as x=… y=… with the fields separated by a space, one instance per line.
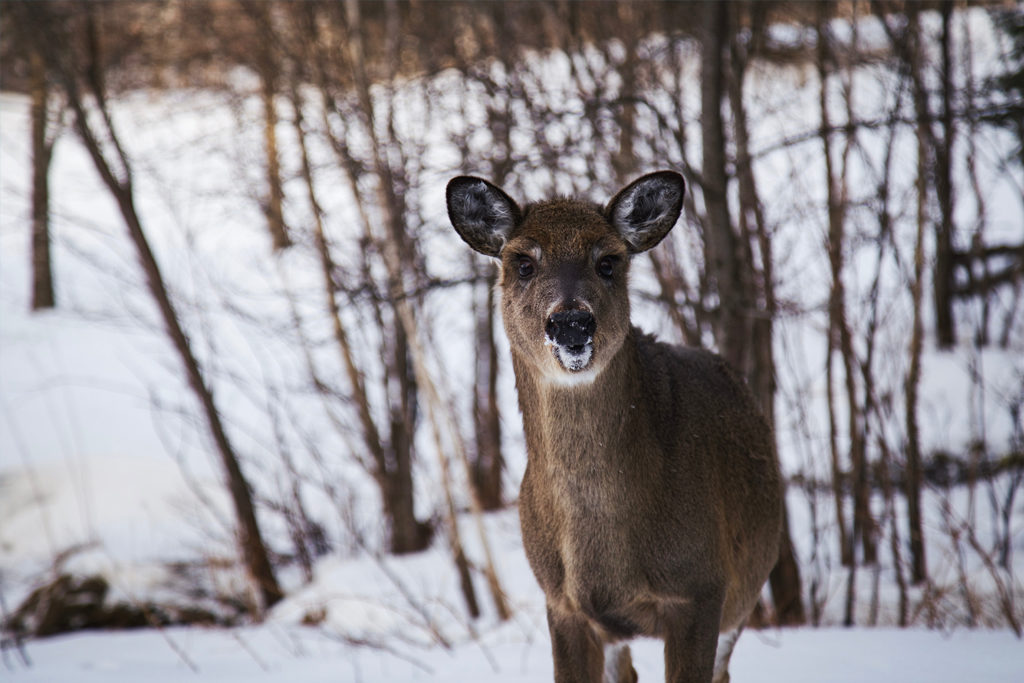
x=269 y=66
x=397 y=261
x=945 y=329
x=839 y=333
x=913 y=57
x=730 y=265
x=44 y=136
x=840 y=336
x=488 y=464
x=386 y=442
x=77 y=26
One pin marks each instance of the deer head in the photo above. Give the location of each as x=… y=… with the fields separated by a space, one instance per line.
x=565 y=266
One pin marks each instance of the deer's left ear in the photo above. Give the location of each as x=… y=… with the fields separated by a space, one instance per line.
x=645 y=210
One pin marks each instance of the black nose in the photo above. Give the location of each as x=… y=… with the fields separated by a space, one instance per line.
x=571 y=328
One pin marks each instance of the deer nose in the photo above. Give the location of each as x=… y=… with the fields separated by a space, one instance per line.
x=573 y=329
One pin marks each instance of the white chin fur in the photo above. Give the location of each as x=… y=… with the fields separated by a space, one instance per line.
x=575 y=366
x=572 y=379
x=574 y=362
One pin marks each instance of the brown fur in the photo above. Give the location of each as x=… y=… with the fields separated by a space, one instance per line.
x=651 y=499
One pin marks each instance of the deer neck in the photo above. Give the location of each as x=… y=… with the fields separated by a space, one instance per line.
x=583 y=423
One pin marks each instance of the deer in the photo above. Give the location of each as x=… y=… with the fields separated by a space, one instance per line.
x=651 y=500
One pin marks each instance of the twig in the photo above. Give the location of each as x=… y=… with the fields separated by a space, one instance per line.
x=10 y=639
x=252 y=653
x=380 y=645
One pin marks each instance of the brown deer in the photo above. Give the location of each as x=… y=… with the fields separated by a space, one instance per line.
x=651 y=499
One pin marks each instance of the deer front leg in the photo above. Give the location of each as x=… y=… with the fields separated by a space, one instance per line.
x=577 y=649
x=691 y=637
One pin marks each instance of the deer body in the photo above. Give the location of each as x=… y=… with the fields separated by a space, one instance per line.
x=650 y=504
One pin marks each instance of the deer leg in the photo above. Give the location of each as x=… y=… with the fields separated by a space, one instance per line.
x=691 y=637
x=618 y=664
x=577 y=649
x=726 y=644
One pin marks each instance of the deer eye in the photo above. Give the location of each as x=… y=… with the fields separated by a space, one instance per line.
x=525 y=268
x=606 y=266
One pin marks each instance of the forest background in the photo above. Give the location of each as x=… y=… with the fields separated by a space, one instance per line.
x=227 y=220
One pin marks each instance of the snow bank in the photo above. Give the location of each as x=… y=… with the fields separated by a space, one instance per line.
x=282 y=655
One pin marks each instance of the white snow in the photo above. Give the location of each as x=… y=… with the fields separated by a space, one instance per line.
x=136 y=508
x=383 y=618
x=272 y=654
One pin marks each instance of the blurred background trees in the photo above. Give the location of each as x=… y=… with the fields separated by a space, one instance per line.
x=365 y=109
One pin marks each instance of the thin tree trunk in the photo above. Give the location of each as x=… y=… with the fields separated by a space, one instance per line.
x=839 y=330
x=396 y=260
x=730 y=264
x=119 y=183
x=408 y=535
x=943 y=271
x=275 y=192
x=918 y=566
x=42 y=151
x=785 y=581
x=918 y=570
x=391 y=458
x=720 y=240
x=753 y=232
x=836 y=301
x=392 y=472
x=836 y=480
x=895 y=547
x=251 y=539
x=488 y=464
x=392 y=468
x=268 y=67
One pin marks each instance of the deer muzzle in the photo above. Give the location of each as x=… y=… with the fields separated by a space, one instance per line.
x=571 y=336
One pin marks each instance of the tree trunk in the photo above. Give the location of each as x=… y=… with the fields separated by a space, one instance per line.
x=840 y=337
x=743 y=339
x=722 y=252
x=488 y=465
x=119 y=183
x=390 y=463
x=42 y=151
x=408 y=535
x=918 y=569
x=918 y=566
x=251 y=539
x=275 y=193
x=943 y=273
x=398 y=259
x=389 y=444
x=268 y=66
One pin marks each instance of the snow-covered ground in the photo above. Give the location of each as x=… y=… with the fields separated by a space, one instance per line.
x=274 y=654
x=379 y=618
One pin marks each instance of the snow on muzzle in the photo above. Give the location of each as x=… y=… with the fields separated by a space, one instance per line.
x=571 y=337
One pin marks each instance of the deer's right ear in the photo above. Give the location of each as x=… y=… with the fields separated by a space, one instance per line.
x=481 y=213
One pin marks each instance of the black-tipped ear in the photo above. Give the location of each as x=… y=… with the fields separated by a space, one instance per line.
x=645 y=210
x=481 y=213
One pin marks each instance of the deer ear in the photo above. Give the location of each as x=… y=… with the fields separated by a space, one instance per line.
x=481 y=213
x=645 y=210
